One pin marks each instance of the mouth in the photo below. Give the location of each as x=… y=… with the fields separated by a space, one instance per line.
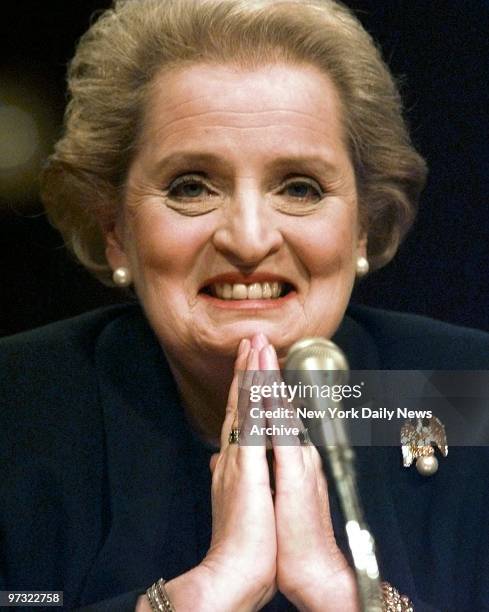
x=252 y=292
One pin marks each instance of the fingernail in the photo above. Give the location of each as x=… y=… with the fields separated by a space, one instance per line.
x=268 y=358
x=259 y=341
x=243 y=346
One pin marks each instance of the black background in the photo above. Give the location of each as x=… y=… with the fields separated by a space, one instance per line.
x=440 y=51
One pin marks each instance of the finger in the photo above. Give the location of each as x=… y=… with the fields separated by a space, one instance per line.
x=246 y=404
x=259 y=341
x=288 y=453
x=247 y=458
x=251 y=419
x=269 y=363
x=239 y=367
x=232 y=403
x=240 y=395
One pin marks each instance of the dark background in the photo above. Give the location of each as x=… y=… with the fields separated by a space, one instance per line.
x=439 y=49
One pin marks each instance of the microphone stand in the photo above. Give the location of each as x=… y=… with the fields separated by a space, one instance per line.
x=331 y=439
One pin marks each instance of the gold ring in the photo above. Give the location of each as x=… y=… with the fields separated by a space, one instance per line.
x=234 y=436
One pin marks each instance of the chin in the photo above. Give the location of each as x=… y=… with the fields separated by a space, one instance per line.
x=227 y=340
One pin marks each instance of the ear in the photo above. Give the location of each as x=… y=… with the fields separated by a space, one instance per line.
x=362 y=244
x=114 y=248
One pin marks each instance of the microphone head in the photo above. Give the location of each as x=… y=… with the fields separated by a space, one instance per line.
x=316 y=354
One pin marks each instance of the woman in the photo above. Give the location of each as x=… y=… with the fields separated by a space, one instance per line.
x=238 y=164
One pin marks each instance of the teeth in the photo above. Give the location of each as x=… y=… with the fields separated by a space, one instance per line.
x=266 y=291
x=227 y=291
x=255 y=292
x=240 y=291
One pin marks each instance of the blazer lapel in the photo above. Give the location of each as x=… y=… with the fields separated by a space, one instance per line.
x=145 y=436
x=378 y=469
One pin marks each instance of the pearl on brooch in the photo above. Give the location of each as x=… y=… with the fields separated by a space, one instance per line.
x=427 y=465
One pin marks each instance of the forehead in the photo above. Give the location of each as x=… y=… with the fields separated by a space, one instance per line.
x=271 y=107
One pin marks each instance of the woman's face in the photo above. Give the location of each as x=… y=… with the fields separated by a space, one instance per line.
x=241 y=212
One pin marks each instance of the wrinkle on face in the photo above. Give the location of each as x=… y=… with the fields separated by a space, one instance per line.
x=235 y=103
x=161 y=132
x=247 y=120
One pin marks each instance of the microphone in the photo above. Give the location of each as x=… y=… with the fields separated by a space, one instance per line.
x=318 y=362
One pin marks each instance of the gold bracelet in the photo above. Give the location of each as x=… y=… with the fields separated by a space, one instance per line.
x=393 y=601
x=158 y=597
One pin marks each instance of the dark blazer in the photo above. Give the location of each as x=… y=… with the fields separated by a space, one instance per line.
x=104 y=488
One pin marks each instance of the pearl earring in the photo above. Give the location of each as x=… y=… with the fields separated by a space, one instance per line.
x=362 y=266
x=122 y=277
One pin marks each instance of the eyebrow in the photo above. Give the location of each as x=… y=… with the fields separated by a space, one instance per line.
x=180 y=158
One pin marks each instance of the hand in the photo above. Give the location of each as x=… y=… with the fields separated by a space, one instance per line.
x=238 y=572
x=311 y=570
x=242 y=555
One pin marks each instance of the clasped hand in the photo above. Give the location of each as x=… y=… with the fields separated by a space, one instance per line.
x=265 y=540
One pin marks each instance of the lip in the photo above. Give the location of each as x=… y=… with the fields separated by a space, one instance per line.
x=262 y=304
x=247 y=279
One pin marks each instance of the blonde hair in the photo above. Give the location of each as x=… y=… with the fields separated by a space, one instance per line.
x=110 y=76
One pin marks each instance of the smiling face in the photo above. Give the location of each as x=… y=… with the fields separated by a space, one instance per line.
x=241 y=210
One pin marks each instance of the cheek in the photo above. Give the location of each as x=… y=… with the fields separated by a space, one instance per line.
x=167 y=243
x=327 y=245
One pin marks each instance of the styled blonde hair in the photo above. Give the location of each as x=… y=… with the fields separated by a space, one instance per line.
x=109 y=80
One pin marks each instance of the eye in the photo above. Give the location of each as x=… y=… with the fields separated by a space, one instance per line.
x=189 y=195
x=189 y=187
x=303 y=190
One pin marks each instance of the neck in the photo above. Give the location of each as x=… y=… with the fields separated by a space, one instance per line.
x=204 y=389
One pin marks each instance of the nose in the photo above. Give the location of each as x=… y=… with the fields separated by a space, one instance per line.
x=248 y=232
